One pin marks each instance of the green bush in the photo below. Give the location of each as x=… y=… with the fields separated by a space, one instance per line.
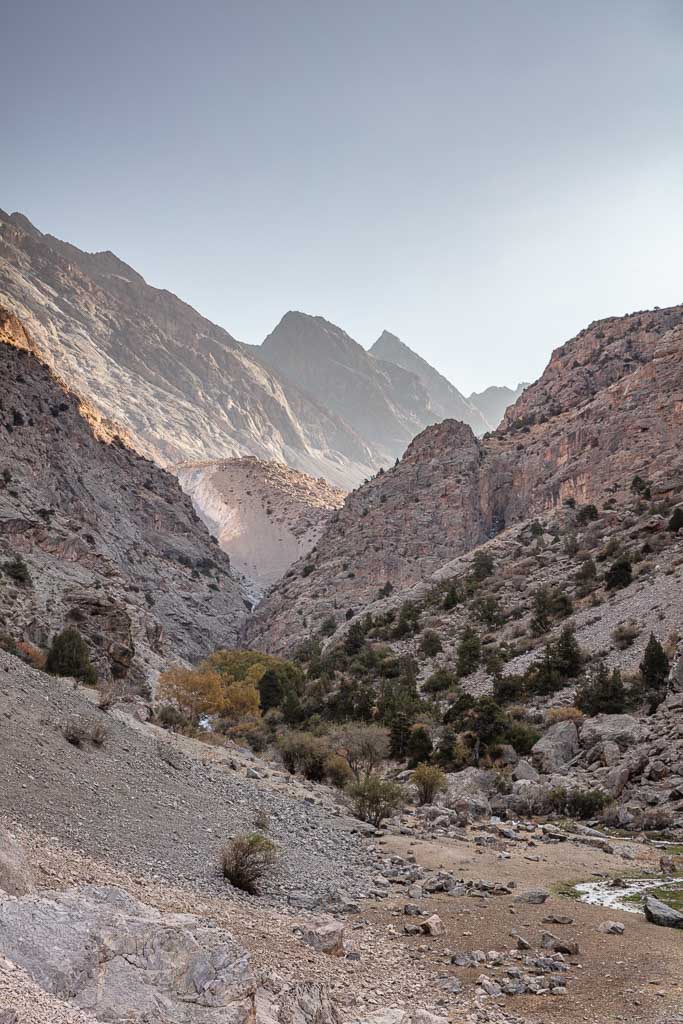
x=337 y=771
x=522 y=736
x=676 y=521
x=439 y=681
x=619 y=574
x=246 y=858
x=304 y=753
x=430 y=643
x=603 y=695
x=482 y=565
x=429 y=782
x=69 y=656
x=577 y=803
x=419 y=745
x=468 y=653
x=17 y=570
x=375 y=799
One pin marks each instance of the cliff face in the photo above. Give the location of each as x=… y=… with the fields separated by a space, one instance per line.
x=445 y=399
x=263 y=514
x=111 y=542
x=182 y=387
x=608 y=407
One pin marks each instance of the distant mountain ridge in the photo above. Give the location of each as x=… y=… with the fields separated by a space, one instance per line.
x=494 y=401
x=445 y=400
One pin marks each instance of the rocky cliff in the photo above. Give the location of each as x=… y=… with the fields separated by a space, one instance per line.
x=445 y=399
x=608 y=407
x=264 y=514
x=110 y=541
x=182 y=387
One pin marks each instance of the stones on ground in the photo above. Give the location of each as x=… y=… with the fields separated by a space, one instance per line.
x=533 y=896
x=550 y=941
x=611 y=927
x=661 y=914
x=433 y=926
x=558 y=919
x=324 y=936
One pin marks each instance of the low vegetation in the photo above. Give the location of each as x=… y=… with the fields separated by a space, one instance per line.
x=246 y=859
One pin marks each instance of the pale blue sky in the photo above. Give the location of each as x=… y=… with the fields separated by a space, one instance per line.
x=481 y=178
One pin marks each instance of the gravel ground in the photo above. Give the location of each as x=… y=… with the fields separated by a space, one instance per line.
x=123 y=802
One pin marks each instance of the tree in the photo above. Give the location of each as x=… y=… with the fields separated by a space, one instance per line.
x=482 y=565
x=69 y=656
x=567 y=654
x=429 y=782
x=676 y=521
x=354 y=640
x=469 y=652
x=430 y=643
x=654 y=668
x=363 y=745
x=196 y=691
x=398 y=736
x=419 y=746
x=619 y=574
x=375 y=799
x=452 y=597
x=540 y=621
x=603 y=695
x=487 y=721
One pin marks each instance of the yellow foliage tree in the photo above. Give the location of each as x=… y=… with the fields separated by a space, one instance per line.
x=197 y=691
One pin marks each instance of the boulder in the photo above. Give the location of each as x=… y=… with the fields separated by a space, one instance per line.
x=624 y=730
x=611 y=928
x=532 y=896
x=433 y=925
x=525 y=771
x=16 y=875
x=659 y=913
x=469 y=792
x=556 y=748
x=324 y=936
x=103 y=951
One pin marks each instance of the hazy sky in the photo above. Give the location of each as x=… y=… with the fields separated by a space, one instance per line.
x=481 y=178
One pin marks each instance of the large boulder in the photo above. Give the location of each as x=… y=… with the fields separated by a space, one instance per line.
x=469 y=792
x=100 y=950
x=624 y=730
x=16 y=875
x=659 y=913
x=556 y=748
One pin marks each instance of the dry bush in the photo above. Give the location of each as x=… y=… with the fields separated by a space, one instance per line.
x=429 y=782
x=77 y=732
x=31 y=654
x=625 y=634
x=196 y=692
x=568 y=714
x=245 y=860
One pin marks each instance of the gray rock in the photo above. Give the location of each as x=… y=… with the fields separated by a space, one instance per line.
x=623 y=730
x=524 y=770
x=611 y=928
x=534 y=896
x=556 y=747
x=659 y=913
x=324 y=937
x=433 y=925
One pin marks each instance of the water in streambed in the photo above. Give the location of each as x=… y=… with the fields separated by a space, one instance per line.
x=621 y=897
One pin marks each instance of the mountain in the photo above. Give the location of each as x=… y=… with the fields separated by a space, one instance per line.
x=263 y=514
x=444 y=399
x=183 y=388
x=493 y=401
x=386 y=404
x=607 y=409
x=110 y=541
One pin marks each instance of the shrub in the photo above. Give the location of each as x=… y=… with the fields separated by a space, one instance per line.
x=482 y=565
x=469 y=652
x=169 y=717
x=363 y=745
x=430 y=643
x=337 y=771
x=605 y=694
x=17 y=570
x=8 y=644
x=408 y=620
x=549 y=604
x=619 y=574
x=452 y=597
x=625 y=634
x=508 y=689
x=522 y=736
x=246 y=859
x=586 y=514
x=440 y=680
x=654 y=668
x=567 y=714
x=375 y=799
x=676 y=521
x=262 y=820
x=196 y=692
x=31 y=654
x=304 y=753
x=75 y=732
x=578 y=803
x=419 y=745
x=68 y=656
x=429 y=781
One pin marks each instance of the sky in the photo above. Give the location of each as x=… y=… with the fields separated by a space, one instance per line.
x=481 y=178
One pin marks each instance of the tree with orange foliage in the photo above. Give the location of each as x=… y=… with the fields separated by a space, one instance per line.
x=197 y=692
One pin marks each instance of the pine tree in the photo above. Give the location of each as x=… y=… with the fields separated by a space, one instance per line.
x=419 y=746
x=654 y=668
x=69 y=656
x=469 y=652
x=567 y=654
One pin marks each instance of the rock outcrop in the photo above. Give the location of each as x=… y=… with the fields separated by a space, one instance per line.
x=263 y=514
x=110 y=542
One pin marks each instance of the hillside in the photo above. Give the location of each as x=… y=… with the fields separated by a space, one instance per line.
x=263 y=514
x=607 y=408
x=110 y=541
x=444 y=399
x=183 y=388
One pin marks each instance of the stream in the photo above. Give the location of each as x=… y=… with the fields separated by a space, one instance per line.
x=604 y=893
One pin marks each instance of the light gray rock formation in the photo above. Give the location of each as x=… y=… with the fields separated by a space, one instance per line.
x=556 y=747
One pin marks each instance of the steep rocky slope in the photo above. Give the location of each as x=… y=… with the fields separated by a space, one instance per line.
x=444 y=399
x=111 y=542
x=182 y=387
x=608 y=407
x=493 y=401
x=263 y=514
